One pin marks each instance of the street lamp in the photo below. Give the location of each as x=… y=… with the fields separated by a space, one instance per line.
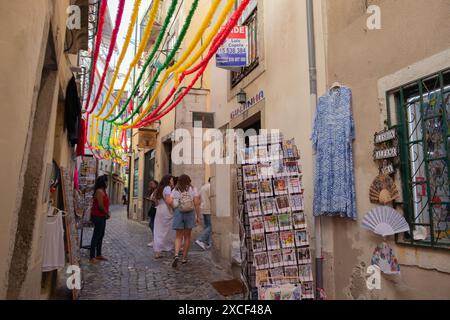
x=242 y=97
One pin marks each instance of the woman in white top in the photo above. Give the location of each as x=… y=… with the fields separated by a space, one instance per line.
x=164 y=236
x=186 y=204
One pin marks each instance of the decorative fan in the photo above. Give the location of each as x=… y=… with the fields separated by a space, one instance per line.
x=383 y=190
x=385 y=221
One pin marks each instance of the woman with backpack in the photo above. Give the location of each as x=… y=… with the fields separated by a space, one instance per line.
x=186 y=204
x=164 y=236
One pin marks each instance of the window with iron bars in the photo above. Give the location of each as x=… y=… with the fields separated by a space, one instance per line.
x=252 y=25
x=423 y=116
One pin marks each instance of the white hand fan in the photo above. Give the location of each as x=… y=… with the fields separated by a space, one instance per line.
x=385 y=221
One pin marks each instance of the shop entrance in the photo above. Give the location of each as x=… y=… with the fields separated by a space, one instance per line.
x=251 y=127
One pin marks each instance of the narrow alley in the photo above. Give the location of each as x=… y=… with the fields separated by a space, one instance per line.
x=133 y=274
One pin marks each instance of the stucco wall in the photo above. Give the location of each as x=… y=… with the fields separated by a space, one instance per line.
x=359 y=58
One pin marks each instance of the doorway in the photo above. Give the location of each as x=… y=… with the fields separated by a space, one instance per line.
x=149 y=175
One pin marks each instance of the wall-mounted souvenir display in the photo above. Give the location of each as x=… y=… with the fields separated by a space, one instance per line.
x=291 y=272
x=297 y=203
x=383 y=190
x=289 y=257
x=275 y=259
x=386 y=152
x=259 y=242
x=290 y=150
x=292 y=168
x=305 y=272
x=294 y=185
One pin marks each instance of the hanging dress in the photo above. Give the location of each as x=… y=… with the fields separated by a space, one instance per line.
x=53 y=257
x=164 y=236
x=333 y=135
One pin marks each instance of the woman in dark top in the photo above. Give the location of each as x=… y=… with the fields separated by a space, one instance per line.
x=99 y=214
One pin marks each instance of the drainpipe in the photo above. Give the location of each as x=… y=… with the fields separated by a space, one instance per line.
x=313 y=104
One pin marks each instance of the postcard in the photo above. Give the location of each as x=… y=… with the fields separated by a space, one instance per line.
x=269 y=206
x=305 y=272
x=275 y=259
x=292 y=168
x=287 y=239
x=297 y=202
x=278 y=168
x=307 y=290
x=251 y=190
x=261 y=260
x=277 y=275
x=265 y=171
x=294 y=185
x=290 y=149
x=292 y=273
x=256 y=225
x=285 y=222
x=301 y=238
x=262 y=154
x=283 y=204
x=273 y=241
x=289 y=257
x=250 y=156
x=299 y=220
x=253 y=208
x=275 y=152
x=258 y=242
x=303 y=255
x=271 y=223
x=250 y=172
x=265 y=188
x=280 y=186
x=262 y=278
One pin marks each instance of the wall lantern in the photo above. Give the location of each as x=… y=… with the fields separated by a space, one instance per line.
x=242 y=97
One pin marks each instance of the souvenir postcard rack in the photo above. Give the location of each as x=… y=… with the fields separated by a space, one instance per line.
x=273 y=227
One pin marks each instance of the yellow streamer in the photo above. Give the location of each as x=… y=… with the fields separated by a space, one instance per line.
x=130 y=31
x=204 y=26
x=147 y=33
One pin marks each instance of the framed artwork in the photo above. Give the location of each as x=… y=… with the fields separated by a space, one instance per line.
x=256 y=225
x=283 y=204
x=297 y=202
x=305 y=272
x=301 y=238
x=269 y=206
x=294 y=185
x=287 y=239
x=275 y=259
x=261 y=260
x=273 y=241
x=265 y=188
x=250 y=172
x=285 y=222
x=271 y=223
x=289 y=257
x=251 y=190
x=304 y=255
x=253 y=208
x=299 y=220
x=280 y=186
x=258 y=242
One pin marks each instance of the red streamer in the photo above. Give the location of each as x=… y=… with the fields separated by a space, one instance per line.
x=218 y=41
x=112 y=45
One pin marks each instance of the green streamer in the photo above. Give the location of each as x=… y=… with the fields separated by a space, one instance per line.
x=169 y=59
x=158 y=42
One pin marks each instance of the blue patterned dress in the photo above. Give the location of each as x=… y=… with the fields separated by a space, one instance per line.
x=333 y=135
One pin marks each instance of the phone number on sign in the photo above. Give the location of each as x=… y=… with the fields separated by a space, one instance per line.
x=226 y=310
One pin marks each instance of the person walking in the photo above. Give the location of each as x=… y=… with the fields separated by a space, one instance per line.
x=164 y=235
x=153 y=186
x=186 y=203
x=99 y=214
x=205 y=240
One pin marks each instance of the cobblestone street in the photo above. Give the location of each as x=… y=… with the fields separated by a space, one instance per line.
x=133 y=274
